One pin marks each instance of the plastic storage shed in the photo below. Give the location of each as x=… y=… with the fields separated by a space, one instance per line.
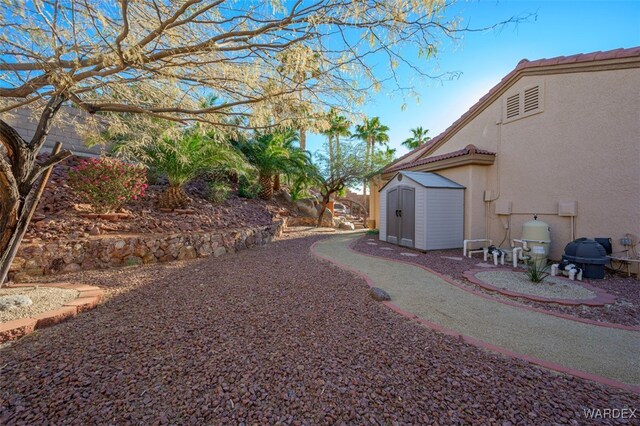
x=423 y=211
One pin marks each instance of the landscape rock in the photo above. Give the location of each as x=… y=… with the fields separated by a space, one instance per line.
x=379 y=294
x=347 y=226
x=16 y=301
x=72 y=267
x=307 y=207
x=187 y=252
x=17 y=264
x=327 y=219
x=99 y=253
x=254 y=339
x=287 y=195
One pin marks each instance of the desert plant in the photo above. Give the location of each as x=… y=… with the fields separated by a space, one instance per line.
x=248 y=188
x=340 y=172
x=218 y=192
x=535 y=272
x=184 y=157
x=107 y=184
x=272 y=154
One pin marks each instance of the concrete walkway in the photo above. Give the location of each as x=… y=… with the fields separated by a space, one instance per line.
x=611 y=353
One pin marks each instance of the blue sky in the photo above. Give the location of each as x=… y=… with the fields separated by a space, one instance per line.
x=561 y=28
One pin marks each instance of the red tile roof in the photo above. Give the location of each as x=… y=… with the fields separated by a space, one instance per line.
x=469 y=149
x=566 y=62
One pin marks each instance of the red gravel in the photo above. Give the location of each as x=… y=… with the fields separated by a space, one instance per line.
x=269 y=335
x=625 y=311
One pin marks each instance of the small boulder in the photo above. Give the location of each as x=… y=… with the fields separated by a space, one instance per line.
x=379 y=294
x=186 y=253
x=71 y=267
x=327 y=219
x=347 y=226
x=307 y=207
x=11 y=302
x=287 y=196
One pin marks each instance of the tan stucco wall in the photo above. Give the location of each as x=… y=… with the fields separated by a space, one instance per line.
x=374 y=200
x=584 y=146
x=63 y=130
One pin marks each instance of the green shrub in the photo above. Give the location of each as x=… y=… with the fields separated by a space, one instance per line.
x=248 y=189
x=536 y=273
x=373 y=231
x=218 y=192
x=107 y=184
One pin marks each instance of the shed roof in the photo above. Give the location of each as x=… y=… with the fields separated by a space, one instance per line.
x=428 y=180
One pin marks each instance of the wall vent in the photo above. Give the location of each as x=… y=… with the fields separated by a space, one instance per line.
x=531 y=99
x=513 y=106
x=526 y=102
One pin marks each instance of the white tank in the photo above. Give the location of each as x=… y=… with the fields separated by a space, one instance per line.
x=539 y=231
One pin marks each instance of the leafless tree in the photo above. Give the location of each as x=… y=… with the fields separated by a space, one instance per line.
x=270 y=63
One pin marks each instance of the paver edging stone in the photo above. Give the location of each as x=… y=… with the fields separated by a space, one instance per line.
x=602 y=297
x=470 y=340
x=88 y=298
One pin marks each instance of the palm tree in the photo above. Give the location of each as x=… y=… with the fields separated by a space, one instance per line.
x=184 y=157
x=371 y=132
x=272 y=154
x=418 y=137
x=339 y=126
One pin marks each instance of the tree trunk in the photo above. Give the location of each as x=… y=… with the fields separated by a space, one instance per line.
x=174 y=197
x=276 y=182
x=325 y=203
x=303 y=139
x=367 y=161
x=19 y=174
x=331 y=157
x=267 y=186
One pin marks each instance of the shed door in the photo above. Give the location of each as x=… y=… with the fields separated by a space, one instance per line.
x=407 y=207
x=393 y=220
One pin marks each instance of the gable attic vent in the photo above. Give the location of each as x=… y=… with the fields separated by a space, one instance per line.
x=526 y=102
x=513 y=106
x=531 y=99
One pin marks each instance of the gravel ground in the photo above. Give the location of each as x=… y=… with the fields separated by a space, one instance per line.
x=269 y=335
x=625 y=311
x=44 y=299
x=551 y=287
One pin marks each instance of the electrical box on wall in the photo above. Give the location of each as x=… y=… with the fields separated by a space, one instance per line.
x=567 y=208
x=503 y=207
x=488 y=195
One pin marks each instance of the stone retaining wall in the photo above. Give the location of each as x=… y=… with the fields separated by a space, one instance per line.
x=105 y=252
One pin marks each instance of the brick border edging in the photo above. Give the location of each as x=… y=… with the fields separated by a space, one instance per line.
x=473 y=341
x=88 y=298
x=602 y=297
x=506 y=302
